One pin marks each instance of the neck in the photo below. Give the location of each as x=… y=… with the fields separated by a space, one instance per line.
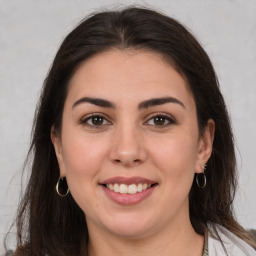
x=179 y=240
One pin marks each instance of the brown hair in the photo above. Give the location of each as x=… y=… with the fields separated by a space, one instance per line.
x=50 y=225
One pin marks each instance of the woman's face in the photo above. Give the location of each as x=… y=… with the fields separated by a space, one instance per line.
x=129 y=145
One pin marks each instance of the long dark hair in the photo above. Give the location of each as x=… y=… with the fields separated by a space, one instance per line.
x=50 y=225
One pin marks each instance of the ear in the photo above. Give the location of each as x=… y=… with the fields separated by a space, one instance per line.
x=56 y=141
x=205 y=146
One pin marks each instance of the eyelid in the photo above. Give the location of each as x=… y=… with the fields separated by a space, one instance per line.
x=85 y=118
x=169 y=117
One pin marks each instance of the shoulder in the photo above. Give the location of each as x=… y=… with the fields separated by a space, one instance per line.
x=227 y=244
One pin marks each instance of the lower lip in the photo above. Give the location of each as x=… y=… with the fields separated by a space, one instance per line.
x=128 y=199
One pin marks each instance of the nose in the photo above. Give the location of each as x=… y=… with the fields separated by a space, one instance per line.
x=128 y=147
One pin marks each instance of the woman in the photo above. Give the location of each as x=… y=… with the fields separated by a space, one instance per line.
x=132 y=146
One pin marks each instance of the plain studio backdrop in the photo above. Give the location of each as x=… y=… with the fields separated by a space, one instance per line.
x=31 y=32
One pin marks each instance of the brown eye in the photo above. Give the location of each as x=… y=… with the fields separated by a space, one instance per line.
x=160 y=120
x=95 y=120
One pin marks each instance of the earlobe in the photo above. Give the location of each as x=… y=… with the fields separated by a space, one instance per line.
x=56 y=141
x=205 y=146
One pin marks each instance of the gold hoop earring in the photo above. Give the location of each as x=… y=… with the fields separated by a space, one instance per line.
x=57 y=187
x=201 y=184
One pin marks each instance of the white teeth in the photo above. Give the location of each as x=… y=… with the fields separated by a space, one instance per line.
x=144 y=186
x=116 y=188
x=132 y=189
x=128 y=189
x=123 y=189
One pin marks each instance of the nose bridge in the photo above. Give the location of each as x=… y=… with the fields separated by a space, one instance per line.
x=127 y=147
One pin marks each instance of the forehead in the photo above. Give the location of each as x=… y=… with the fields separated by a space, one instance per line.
x=123 y=74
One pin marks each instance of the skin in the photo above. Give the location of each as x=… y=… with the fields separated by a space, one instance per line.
x=130 y=142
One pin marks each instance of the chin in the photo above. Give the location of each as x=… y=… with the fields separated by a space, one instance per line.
x=129 y=232
x=130 y=227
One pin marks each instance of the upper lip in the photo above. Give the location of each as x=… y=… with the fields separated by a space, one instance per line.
x=127 y=180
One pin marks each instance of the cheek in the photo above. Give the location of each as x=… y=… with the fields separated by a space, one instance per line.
x=83 y=157
x=176 y=158
x=82 y=153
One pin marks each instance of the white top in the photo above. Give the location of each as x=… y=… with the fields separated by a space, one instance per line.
x=232 y=245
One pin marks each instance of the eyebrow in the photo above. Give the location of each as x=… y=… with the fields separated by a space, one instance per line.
x=159 y=101
x=96 y=101
x=143 y=105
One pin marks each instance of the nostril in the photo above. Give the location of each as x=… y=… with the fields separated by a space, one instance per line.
x=134 y=161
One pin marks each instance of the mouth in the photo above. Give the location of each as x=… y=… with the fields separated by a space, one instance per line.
x=129 y=189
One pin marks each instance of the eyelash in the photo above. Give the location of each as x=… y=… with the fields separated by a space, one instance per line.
x=165 y=117
x=85 y=121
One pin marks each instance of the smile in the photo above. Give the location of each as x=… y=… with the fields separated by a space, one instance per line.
x=128 y=189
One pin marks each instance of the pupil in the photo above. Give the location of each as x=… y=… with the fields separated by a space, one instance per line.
x=159 y=120
x=97 y=120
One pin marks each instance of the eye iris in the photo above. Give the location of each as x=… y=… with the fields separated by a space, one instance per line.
x=97 y=120
x=159 y=120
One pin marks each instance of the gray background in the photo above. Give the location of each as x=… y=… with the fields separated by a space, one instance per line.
x=31 y=31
